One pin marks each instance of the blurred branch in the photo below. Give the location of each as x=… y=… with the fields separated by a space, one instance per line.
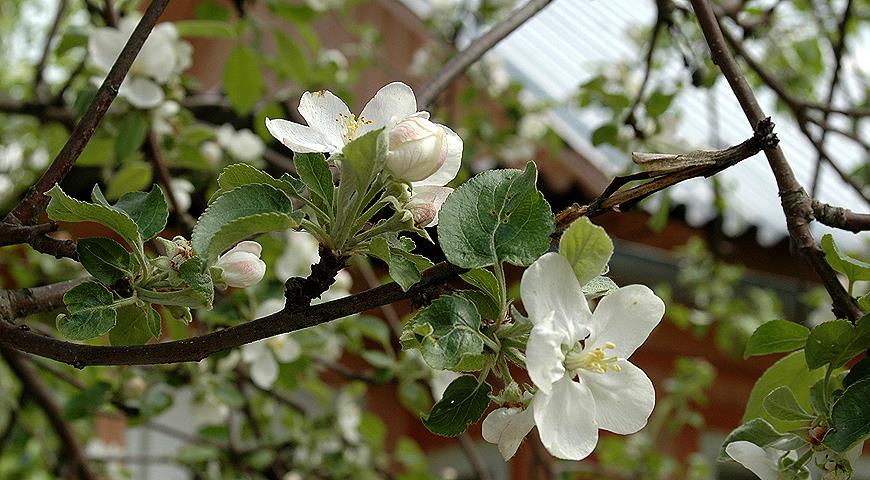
x=663 y=18
x=35 y=201
x=46 y=49
x=155 y=155
x=796 y=204
x=482 y=44
x=43 y=111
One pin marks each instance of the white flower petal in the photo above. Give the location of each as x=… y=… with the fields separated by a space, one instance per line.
x=623 y=399
x=754 y=458
x=451 y=164
x=625 y=317
x=392 y=104
x=299 y=138
x=288 y=349
x=507 y=427
x=323 y=111
x=566 y=420
x=430 y=195
x=157 y=58
x=549 y=285
x=141 y=92
x=264 y=370
x=104 y=46
x=544 y=357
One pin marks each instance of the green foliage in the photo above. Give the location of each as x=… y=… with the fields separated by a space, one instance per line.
x=200 y=283
x=850 y=418
x=130 y=135
x=363 y=159
x=790 y=371
x=105 y=259
x=148 y=210
x=137 y=323
x=445 y=332
x=463 y=403
x=314 y=173
x=497 y=216
x=485 y=281
x=205 y=28
x=91 y=313
x=243 y=81
x=588 y=249
x=776 y=336
x=837 y=341
x=134 y=175
x=853 y=268
x=759 y=432
x=239 y=174
x=402 y=269
x=782 y=405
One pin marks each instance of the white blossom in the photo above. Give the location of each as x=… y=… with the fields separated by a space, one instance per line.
x=348 y=415
x=243 y=144
x=301 y=251
x=163 y=56
x=212 y=152
x=181 y=190
x=241 y=265
x=262 y=356
x=763 y=462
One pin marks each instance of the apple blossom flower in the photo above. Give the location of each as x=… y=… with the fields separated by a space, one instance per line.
x=263 y=356
x=763 y=462
x=162 y=57
x=578 y=361
x=301 y=251
x=507 y=426
x=212 y=152
x=181 y=190
x=422 y=153
x=241 y=265
x=243 y=144
x=348 y=416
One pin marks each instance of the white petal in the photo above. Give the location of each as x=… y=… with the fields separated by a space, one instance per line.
x=252 y=351
x=431 y=195
x=623 y=399
x=298 y=138
x=625 y=317
x=288 y=350
x=157 y=58
x=451 y=164
x=104 y=46
x=141 y=92
x=507 y=427
x=264 y=370
x=566 y=420
x=247 y=246
x=549 y=285
x=754 y=458
x=323 y=111
x=392 y=104
x=544 y=358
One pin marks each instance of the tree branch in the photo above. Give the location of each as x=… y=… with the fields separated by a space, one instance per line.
x=482 y=44
x=841 y=218
x=34 y=387
x=20 y=303
x=35 y=200
x=796 y=204
x=46 y=49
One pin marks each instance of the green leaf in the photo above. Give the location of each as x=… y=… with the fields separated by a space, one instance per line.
x=837 y=341
x=599 y=286
x=658 y=103
x=131 y=134
x=497 y=216
x=776 y=336
x=790 y=371
x=239 y=174
x=607 y=133
x=137 y=324
x=851 y=267
x=859 y=371
x=239 y=213
x=65 y=208
x=401 y=268
x=588 y=249
x=364 y=158
x=87 y=401
x=205 y=28
x=90 y=312
x=104 y=258
x=756 y=431
x=192 y=271
x=293 y=61
x=97 y=153
x=850 y=418
x=445 y=332
x=314 y=173
x=135 y=175
x=485 y=281
x=463 y=403
x=414 y=397
x=782 y=404
x=148 y=210
x=243 y=81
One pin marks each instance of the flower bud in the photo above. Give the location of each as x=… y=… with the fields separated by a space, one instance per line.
x=418 y=148
x=241 y=266
x=134 y=387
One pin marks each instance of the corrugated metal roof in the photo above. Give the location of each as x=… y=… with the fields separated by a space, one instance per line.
x=569 y=41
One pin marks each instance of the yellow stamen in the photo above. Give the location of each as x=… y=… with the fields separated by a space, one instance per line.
x=350 y=124
x=594 y=361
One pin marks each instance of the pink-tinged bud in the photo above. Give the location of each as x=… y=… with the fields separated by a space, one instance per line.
x=418 y=148
x=241 y=265
x=425 y=204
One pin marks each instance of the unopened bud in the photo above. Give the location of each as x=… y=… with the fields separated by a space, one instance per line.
x=418 y=148
x=134 y=387
x=241 y=266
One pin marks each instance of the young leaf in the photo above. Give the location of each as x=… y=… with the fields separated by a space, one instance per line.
x=445 y=331
x=243 y=81
x=135 y=175
x=148 y=210
x=837 y=341
x=401 y=268
x=782 y=404
x=239 y=174
x=217 y=229
x=756 y=431
x=90 y=312
x=463 y=403
x=314 y=173
x=137 y=324
x=790 y=371
x=850 y=418
x=131 y=133
x=851 y=267
x=485 y=281
x=364 y=158
x=205 y=28
x=599 y=286
x=65 y=208
x=497 y=216
x=192 y=272
x=588 y=249
x=104 y=258
x=776 y=336
x=859 y=371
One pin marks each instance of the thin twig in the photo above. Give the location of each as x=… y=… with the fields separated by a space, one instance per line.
x=796 y=204
x=35 y=388
x=482 y=44
x=841 y=218
x=155 y=155
x=35 y=200
x=46 y=50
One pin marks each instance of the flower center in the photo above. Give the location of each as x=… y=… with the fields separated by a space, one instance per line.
x=350 y=124
x=595 y=361
x=276 y=343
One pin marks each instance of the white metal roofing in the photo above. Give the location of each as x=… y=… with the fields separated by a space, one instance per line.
x=569 y=42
